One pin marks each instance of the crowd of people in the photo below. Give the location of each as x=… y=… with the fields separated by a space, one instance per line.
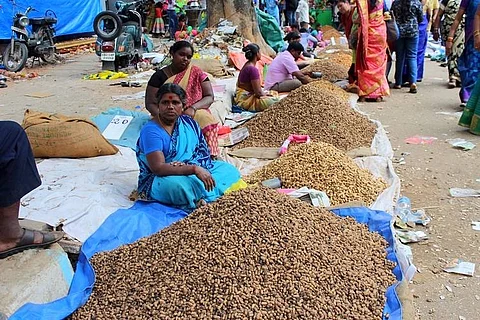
x=177 y=150
x=157 y=11
x=382 y=31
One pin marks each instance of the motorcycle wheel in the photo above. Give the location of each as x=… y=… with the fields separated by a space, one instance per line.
x=50 y=57
x=110 y=65
x=16 y=61
x=107 y=25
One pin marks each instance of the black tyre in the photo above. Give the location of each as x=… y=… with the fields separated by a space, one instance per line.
x=110 y=65
x=50 y=57
x=107 y=25
x=15 y=61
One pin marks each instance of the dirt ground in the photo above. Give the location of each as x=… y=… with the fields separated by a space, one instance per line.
x=427 y=175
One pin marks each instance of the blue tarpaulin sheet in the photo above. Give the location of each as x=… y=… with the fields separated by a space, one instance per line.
x=143 y=219
x=74 y=17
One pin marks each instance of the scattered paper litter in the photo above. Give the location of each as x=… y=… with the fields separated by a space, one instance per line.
x=406 y=236
x=420 y=140
x=40 y=95
x=455 y=114
x=461 y=144
x=460 y=267
x=476 y=225
x=464 y=193
x=318 y=198
x=135 y=96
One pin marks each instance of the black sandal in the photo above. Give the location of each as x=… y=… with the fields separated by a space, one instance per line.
x=27 y=242
x=413 y=88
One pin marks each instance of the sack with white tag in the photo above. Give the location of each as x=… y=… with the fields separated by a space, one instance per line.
x=59 y=136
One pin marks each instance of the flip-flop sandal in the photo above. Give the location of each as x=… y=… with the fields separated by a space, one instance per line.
x=27 y=242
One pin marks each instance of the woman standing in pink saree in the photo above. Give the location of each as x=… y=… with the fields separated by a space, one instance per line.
x=372 y=51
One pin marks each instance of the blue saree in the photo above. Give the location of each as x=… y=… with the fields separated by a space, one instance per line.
x=469 y=61
x=188 y=145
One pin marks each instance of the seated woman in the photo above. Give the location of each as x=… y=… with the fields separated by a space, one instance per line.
x=249 y=94
x=175 y=165
x=197 y=86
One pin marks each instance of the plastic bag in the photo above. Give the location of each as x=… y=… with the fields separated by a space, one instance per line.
x=270 y=30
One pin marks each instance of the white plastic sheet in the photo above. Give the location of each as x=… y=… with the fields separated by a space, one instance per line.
x=383 y=168
x=381 y=145
x=82 y=193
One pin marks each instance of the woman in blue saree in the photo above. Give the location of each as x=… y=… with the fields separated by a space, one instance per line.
x=175 y=165
x=471 y=114
x=469 y=61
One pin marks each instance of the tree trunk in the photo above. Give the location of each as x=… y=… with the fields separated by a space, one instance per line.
x=242 y=14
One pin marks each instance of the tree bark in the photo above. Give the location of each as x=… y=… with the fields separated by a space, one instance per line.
x=242 y=14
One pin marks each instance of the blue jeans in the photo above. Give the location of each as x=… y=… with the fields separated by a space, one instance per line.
x=406 y=50
x=290 y=17
x=172 y=23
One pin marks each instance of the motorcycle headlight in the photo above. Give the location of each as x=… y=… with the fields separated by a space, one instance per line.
x=119 y=5
x=23 y=21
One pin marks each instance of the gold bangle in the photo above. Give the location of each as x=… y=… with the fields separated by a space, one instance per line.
x=476 y=33
x=449 y=39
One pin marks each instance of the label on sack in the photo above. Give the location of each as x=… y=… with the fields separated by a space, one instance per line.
x=117 y=127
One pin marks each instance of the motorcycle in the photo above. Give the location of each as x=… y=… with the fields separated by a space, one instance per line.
x=24 y=44
x=121 y=39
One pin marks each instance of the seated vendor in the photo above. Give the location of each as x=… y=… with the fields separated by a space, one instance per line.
x=249 y=94
x=305 y=58
x=284 y=75
x=306 y=37
x=197 y=86
x=175 y=164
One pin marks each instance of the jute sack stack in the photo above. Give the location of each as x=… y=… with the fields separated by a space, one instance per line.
x=59 y=136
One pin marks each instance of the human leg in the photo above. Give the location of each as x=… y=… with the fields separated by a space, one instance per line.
x=186 y=192
x=471 y=114
x=287 y=85
x=411 y=57
x=400 y=61
x=469 y=68
x=18 y=176
x=421 y=48
x=291 y=17
x=172 y=23
x=182 y=192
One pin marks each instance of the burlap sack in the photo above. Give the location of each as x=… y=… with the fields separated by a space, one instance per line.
x=59 y=136
x=212 y=66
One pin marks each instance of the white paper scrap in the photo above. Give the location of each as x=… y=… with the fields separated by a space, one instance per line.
x=117 y=127
x=476 y=225
x=460 y=267
x=464 y=193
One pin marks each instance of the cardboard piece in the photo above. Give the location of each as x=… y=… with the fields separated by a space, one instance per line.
x=255 y=152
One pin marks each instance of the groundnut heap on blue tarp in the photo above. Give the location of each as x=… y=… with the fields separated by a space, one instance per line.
x=253 y=253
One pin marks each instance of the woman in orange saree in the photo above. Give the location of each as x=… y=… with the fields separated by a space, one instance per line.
x=196 y=84
x=372 y=51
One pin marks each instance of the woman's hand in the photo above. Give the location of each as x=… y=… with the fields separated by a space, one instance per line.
x=448 y=48
x=205 y=177
x=477 y=42
x=436 y=34
x=189 y=112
